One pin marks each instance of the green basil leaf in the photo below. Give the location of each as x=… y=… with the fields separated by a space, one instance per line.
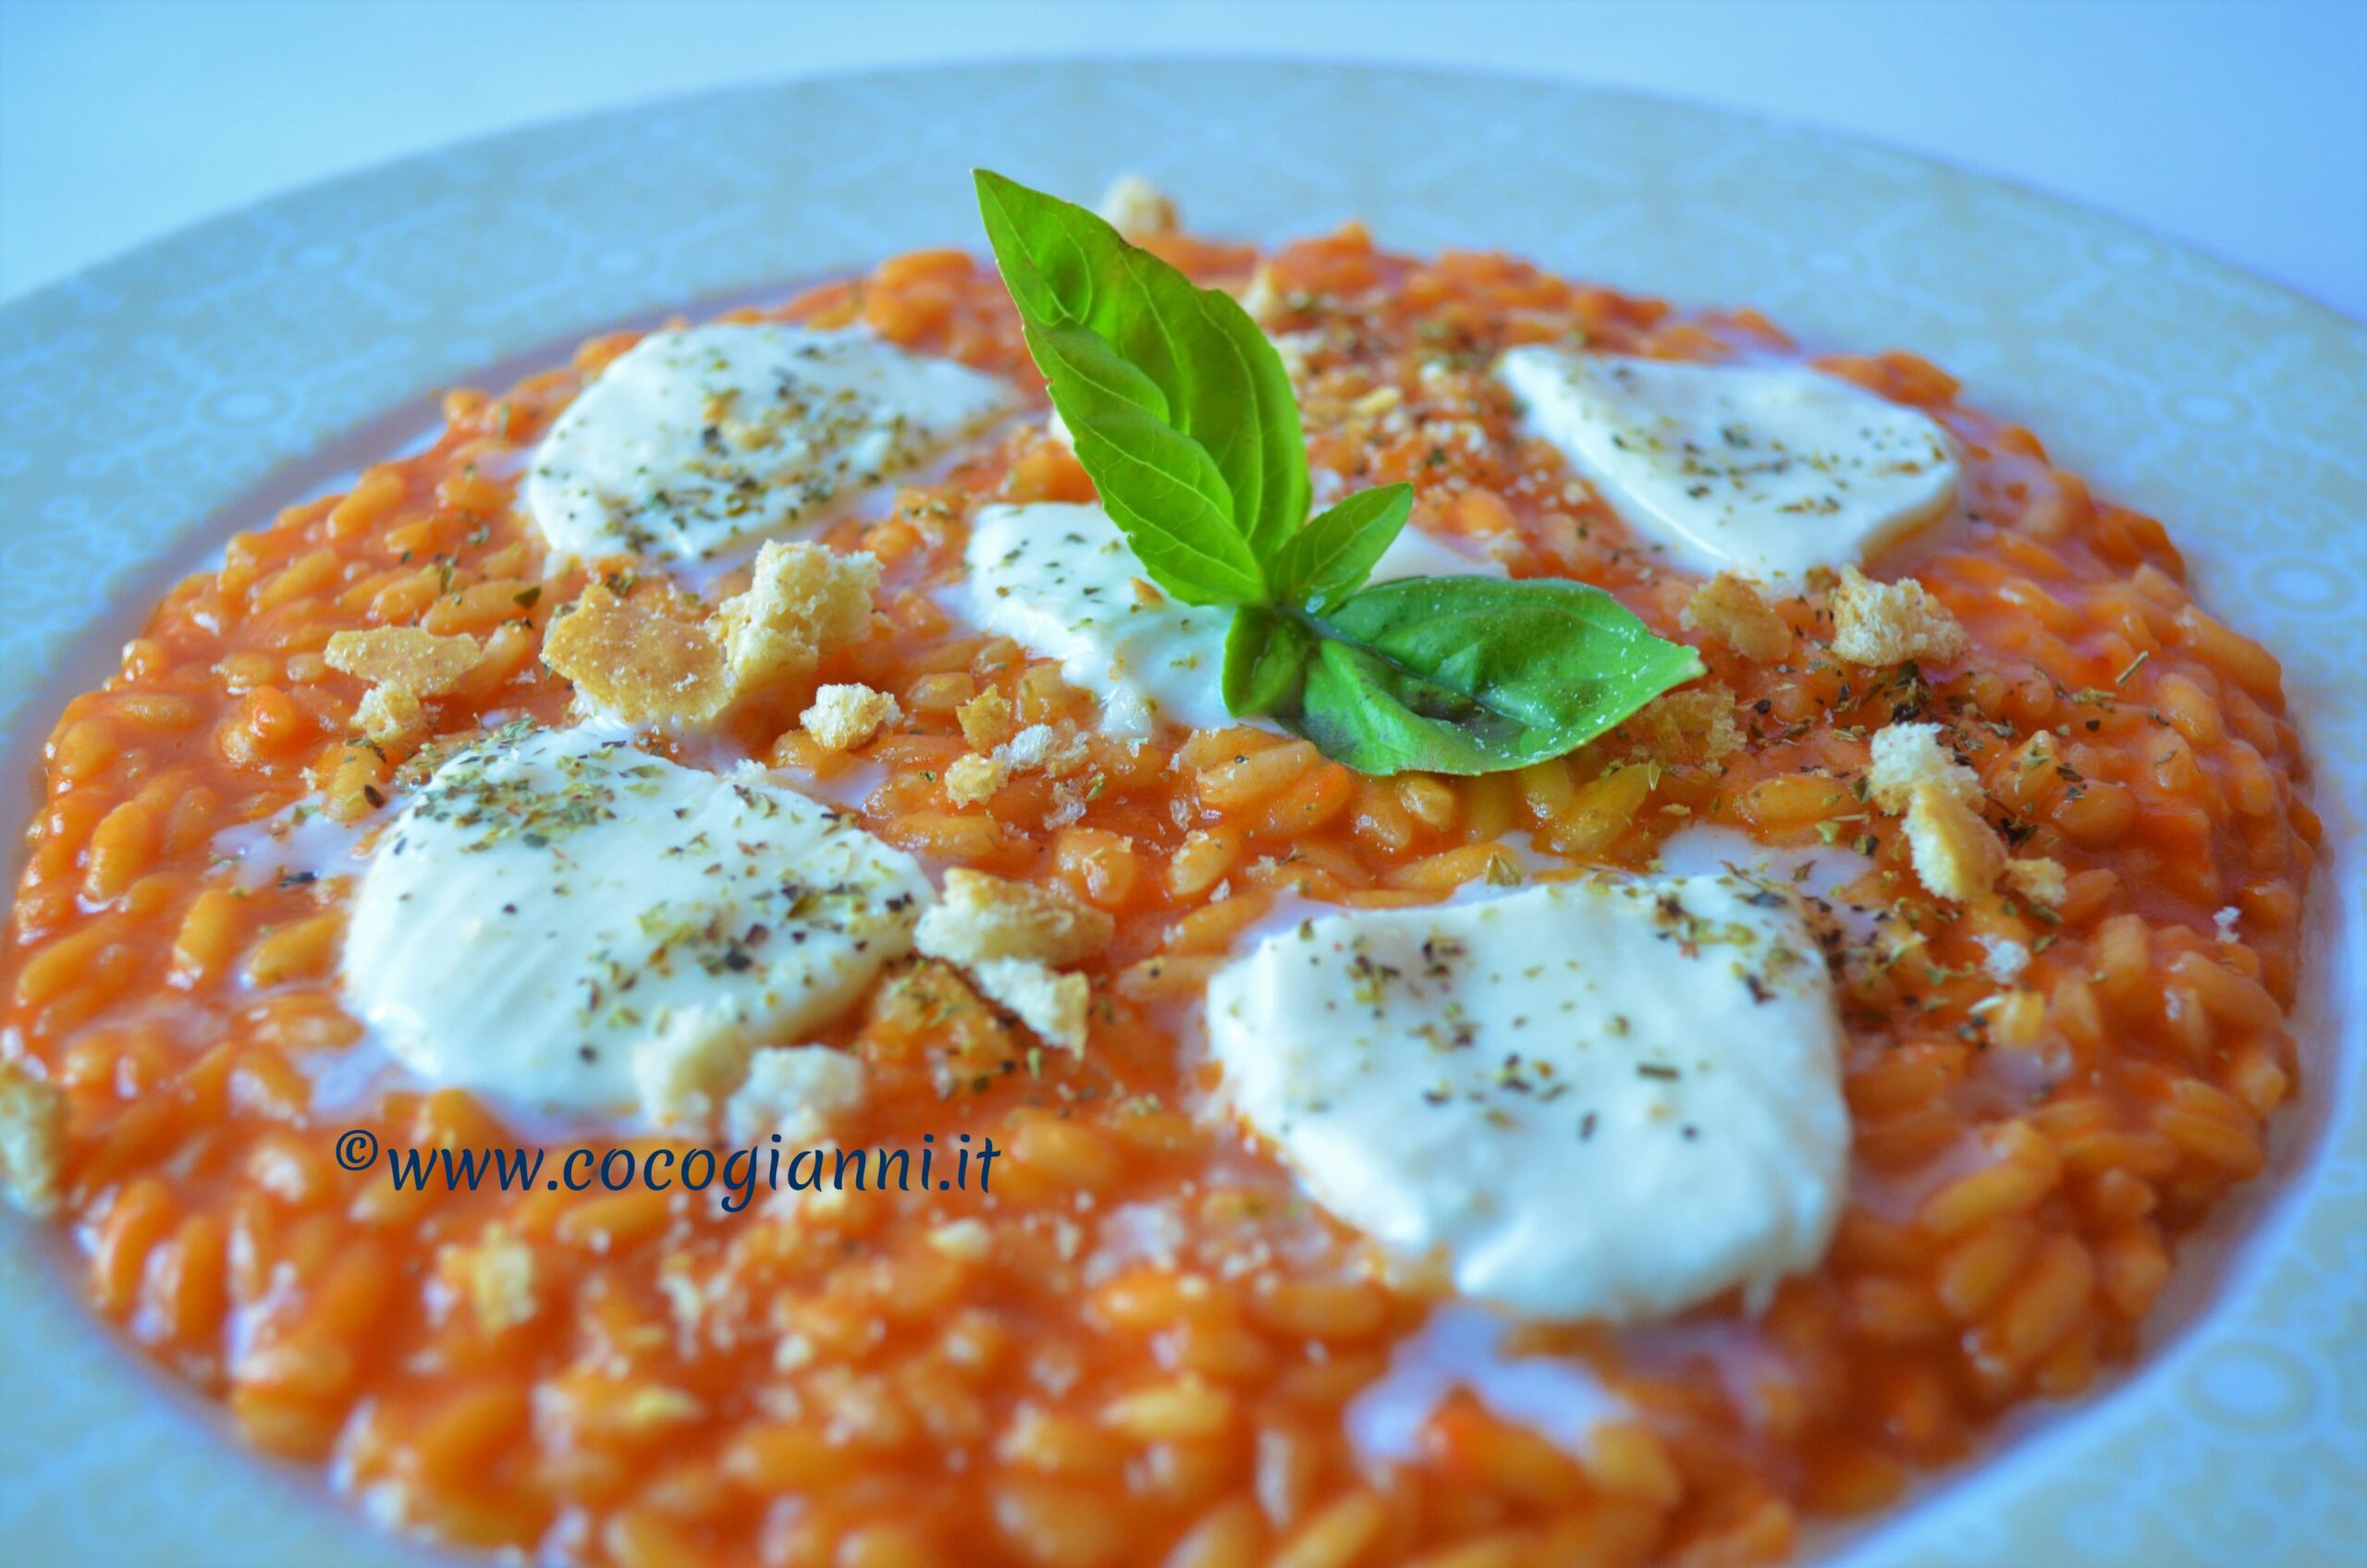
x=1182 y=415
x=1266 y=655
x=1468 y=675
x=1330 y=558
x=1221 y=384
x=1158 y=485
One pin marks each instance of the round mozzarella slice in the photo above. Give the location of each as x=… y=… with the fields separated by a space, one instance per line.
x=1061 y=580
x=562 y=920
x=694 y=440
x=1763 y=469
x=1602 y=1099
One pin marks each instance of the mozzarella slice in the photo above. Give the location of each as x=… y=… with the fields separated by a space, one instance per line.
x=1766 y=471
x=693 y=440
x=1604 y=1100
x=1061 y=580
x=561 y=920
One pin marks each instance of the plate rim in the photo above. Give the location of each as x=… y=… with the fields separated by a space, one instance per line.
x=2341 y=1091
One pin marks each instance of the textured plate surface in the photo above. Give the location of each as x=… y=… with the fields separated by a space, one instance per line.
x=152 y=406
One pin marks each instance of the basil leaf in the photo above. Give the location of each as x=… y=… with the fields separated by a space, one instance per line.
x=1464 y=675
x=1182 y=415
x=1221 y=384
x=1158 y=485
x=1266 y=655
x=1330 y=558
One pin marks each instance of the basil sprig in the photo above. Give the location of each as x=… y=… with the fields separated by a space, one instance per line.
x=1183 y=415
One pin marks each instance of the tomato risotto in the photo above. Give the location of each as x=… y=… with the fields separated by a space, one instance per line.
x=1487 y=1071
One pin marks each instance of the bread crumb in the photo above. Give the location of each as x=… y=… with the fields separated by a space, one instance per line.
x=1887 y=623
x=1956 y=852
x=972 y=781
x=633 y=661
x=403 y=664
x=32 y=1139
x=641 y=661
x=2005 y=961
x=1010 y=937
x=1137 y=208
x=967 y=1240
x=1728 y=606
x=981 y=917
x=422 y=663
x=1042 y=746
x=2038 y=879
x=652 y=1408
x=1907 y=757
x=1957 y=855
x=1693 y=726
x=797 y=1091
x=803 y=602
x=985 y=720
x=683 y=1070
x=1261 y=298
x=497 y=1273
x=1054 y=1005
x=390 y=714
x=844 y=717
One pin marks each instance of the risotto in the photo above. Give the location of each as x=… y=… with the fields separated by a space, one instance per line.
x=1471 y=1135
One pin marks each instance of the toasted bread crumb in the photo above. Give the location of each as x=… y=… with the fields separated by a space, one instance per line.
x=655 y=1408
x=402 y=664
x=683 y=1069
x=1261 y=298
x=1907 y=757
x=1887 y=623
x=390 y=714
x=1956 y=852
x=1052 y=1004
x=422 y=663
x=2038 y=879
x=844 y=717
x=633 y=661
x=805 y=602
x=972 y=781
x=935 y=1000
x=1010 y=937
x=985 y=720
x=1137 y=208
x=498 y=1273
x=1730 y=607
x=797 y=1091
x=32 y=1139
x=1039 y=746
x=981 y=917
x=1693 y=726
x=967 y=1240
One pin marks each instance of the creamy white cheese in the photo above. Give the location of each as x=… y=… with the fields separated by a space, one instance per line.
x=1608 y=1099
x=694 y=440
x=1466 y=1348
x=561 y=920
x=1061 y=580
x=1763 y=469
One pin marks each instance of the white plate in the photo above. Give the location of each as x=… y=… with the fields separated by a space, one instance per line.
x=150 y=406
